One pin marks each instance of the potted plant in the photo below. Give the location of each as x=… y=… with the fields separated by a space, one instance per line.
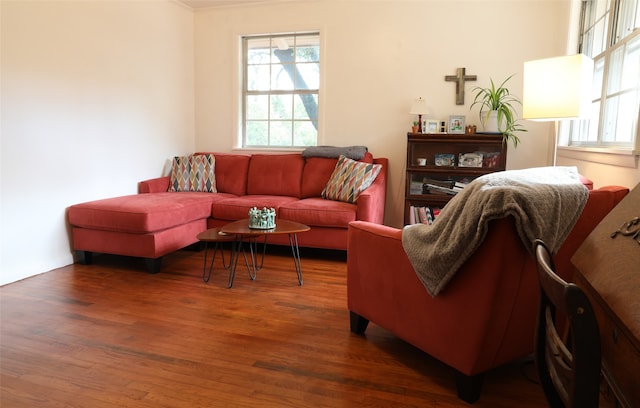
x=415 y=127
x=497 y=112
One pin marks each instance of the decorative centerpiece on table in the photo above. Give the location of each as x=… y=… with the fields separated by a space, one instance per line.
x=262 y=219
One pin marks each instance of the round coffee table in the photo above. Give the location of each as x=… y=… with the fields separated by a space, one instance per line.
x=241 y=231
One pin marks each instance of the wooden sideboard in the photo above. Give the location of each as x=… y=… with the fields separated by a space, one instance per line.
x=608 y=270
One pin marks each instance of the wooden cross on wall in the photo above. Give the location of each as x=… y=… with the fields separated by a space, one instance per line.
x=459 y=79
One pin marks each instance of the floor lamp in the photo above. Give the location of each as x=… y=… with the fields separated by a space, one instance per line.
x=557 y=88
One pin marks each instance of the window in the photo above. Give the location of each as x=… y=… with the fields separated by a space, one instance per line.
x=610 y=35
x=280 y=90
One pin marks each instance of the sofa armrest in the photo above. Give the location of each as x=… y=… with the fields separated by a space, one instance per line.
x=371 y=202
x=155 y=185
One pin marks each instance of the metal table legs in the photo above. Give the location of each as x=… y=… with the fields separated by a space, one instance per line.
x=253 y=250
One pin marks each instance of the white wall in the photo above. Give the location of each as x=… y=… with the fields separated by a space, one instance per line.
x=96 y=95
x=377 y=57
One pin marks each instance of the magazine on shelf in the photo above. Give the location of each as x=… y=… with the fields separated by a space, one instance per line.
x=447 y=190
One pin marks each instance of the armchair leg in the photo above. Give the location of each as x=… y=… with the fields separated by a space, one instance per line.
x=358 y=323
x=469 y=387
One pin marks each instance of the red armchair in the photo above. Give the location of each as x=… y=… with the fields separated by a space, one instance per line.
x=486 y=315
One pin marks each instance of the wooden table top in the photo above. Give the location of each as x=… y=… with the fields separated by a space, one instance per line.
x=241 y=227
x=214 y=234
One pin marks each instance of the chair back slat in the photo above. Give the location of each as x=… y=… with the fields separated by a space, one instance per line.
x=569 y=366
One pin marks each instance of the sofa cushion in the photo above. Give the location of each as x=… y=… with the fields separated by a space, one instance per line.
x=231 y=172
x=143 y=213
x=237 y=208
x=193 y=173
x=317 y=172
x=275 y=174
x=318 y=212
x=349 y=179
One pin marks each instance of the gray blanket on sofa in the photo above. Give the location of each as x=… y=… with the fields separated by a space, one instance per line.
x=334 y=152
x=545 y=203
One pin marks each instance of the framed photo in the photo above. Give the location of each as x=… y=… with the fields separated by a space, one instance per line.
x=456 y=124
x=470 y=160
x=445 y=159
x=430 y=126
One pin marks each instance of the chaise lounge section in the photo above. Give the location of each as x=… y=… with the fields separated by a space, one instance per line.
x=157 y=221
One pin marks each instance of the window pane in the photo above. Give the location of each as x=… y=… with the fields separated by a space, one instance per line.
x=310 y=52
x=258 y=78
x=281 y=77
x=308 y=76
x=615 y=71
x=257 y=133
x=305 y=134
x=590 y=127
x=610 y=122
x=257 y=107
x=305 y=107
x=626 y=19
x=599 y=37
x=598 y=74
x=281 y=107
x=258 y=51
x=282 y=47
x=280 y=132
x=627 y=117
x=631 y=65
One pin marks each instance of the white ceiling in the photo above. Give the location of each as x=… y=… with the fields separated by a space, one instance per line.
x=196 y=4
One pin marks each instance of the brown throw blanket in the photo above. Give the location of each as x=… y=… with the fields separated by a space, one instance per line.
x=545 y=203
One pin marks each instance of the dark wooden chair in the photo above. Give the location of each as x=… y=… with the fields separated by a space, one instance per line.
x=569 y=370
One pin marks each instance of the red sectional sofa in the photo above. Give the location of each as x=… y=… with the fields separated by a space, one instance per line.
x=156 y=222
x=486 y=315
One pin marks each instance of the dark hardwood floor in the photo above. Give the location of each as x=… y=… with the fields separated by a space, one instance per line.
x=112 y=335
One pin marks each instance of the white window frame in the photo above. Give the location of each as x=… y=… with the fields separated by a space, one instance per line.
x=245 y=93
x=573 y=137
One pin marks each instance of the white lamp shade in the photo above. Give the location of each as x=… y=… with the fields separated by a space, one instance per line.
x=557 y=88
x=419 y=107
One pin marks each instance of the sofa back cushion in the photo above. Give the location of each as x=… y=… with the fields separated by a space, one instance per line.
x=315 y=175
x=231 y=172
x=275 y=174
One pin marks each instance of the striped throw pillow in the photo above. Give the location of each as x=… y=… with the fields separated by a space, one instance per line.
x=349 y=179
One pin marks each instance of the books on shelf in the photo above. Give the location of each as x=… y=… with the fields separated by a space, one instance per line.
x=439 y=189
x=448 y=187
x=423 y=214
x=458 y=186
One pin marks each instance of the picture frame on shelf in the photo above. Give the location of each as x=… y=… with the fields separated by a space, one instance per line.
x=470 y=159
x=445 y=159
x=456 y=124
x=430 y=126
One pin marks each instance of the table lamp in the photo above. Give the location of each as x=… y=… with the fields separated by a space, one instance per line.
x=419 y=108
x=557 y=88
